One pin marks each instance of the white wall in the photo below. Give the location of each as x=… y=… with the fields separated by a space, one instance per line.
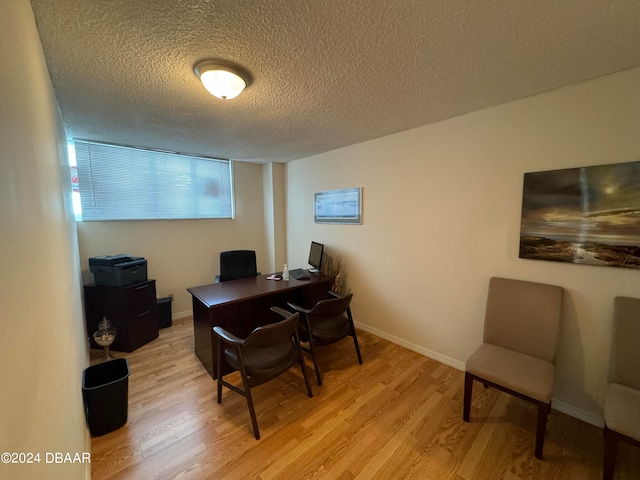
x=41 y=328
x=442 y=207
x=184 y=253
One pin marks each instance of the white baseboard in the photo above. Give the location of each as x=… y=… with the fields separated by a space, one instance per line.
x=579 y=413
x=177 y=315
x=412 y=346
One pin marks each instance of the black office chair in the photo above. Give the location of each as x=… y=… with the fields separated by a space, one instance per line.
x=266 y=353
x=237 y=264
x=327 y=322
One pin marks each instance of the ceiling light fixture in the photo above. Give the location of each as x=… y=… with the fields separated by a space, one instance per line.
x=222 y=79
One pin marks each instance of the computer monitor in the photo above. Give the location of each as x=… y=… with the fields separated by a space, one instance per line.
x=315 y=256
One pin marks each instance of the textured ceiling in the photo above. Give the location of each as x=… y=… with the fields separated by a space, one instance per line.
x=327 y=73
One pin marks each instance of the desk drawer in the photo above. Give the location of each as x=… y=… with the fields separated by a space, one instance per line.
x=141 y=330
x=140 y=298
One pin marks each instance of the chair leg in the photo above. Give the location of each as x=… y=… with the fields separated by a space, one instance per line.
x=353 y=334
x=610 y=454
x=355 y=342
x=312 y=349
x=247 y=394
x=296 y=339
x=541 y=428
x=304 y=374
x=468 y=387
x=543 y=409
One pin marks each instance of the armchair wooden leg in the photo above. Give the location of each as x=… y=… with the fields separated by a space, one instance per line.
x=247 y=394
x=304 y=374
x=296 y=338
x=468 y=387
x=541 y=428
x=315 y=363
x=219 y=396
x=355 y=341
x=610 y=454
x=353 y=334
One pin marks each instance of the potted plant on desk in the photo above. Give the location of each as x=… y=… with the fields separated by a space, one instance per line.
x=334 y=266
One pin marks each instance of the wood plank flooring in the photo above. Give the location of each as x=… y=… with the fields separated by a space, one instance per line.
x=398 y=416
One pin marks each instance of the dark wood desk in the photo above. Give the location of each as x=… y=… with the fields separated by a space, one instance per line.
x=241 y=305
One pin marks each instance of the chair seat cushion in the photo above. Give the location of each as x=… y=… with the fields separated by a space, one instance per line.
x=530 y=376
x=329 y=330
x=264 y=362
x=622 y=410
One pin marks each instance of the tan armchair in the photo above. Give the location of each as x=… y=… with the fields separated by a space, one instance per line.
x=521 y=327
x=622 y=401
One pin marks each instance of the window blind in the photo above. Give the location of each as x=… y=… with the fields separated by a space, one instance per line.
x=125 y=183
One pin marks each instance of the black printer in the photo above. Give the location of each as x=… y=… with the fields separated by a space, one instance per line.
x=118 y=270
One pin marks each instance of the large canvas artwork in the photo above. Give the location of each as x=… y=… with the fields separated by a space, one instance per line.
x=588 y=215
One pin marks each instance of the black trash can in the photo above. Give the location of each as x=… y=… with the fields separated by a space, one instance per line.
x=164 y=312
x=105 y=390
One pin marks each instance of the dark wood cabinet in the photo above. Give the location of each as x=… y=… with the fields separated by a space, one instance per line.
x=132 y=309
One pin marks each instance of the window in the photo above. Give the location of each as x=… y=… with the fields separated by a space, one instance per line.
x=125 y=183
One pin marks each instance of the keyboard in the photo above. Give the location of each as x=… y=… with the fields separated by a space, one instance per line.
x=299 y=274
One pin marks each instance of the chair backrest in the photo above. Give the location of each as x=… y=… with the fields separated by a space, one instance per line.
x=237 y=264
x=625 y=346
x=331 y=307
x=272 y=334
x=523 y=316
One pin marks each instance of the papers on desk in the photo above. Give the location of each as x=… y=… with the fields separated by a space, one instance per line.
x=274 y=277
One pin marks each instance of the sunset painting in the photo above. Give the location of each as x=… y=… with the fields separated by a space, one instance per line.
x=588 y=215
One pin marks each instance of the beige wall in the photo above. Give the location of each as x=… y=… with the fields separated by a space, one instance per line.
x=41 y=328
x=442 y=208
x=184 y=253
x=275 y=216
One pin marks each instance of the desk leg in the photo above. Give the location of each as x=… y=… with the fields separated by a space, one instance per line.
x=203 y=336
x=233 y=318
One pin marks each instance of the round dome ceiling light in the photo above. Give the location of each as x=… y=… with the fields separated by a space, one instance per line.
x=222 y=79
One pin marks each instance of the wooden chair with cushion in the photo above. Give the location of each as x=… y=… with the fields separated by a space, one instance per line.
x=521 y=327
x=327 y=322
x=265 y=354
x=622 y=401
x=236 y=264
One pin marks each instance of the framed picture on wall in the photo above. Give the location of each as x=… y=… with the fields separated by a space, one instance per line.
x=338 y=206
x=587 y=215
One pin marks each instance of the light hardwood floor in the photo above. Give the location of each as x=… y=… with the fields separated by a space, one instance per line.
x=398 y=416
